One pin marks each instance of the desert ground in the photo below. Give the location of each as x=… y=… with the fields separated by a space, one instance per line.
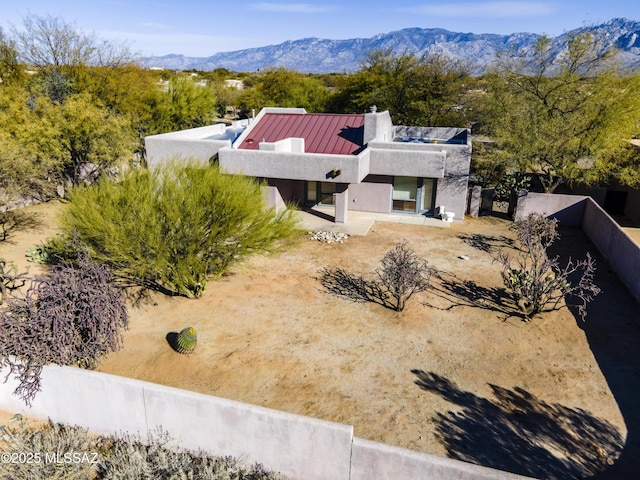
x=452 y=375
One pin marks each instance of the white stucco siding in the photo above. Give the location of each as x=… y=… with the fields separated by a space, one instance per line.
x=195 y=143
x=164 y=149
x=452 y=189
x=295 y=166
x=370 y=197
x=407 y=163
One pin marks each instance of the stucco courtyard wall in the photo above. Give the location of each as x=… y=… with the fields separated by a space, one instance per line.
x=609 y=238
x=297 y=446
x=567 y=209
x=622 y=253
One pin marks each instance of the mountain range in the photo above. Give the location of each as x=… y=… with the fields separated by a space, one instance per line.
x=475 y=51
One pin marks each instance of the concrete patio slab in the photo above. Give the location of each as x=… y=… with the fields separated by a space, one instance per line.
x=359 y=223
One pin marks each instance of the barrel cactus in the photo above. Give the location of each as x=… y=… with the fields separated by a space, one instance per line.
x=186 y=341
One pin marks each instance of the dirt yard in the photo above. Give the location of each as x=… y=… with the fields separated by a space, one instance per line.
x=450 y=375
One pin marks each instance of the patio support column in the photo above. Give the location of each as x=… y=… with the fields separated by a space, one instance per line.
x=342 y=202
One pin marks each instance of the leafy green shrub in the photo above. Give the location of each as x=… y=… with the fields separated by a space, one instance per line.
x=510 y=184
x=39 y=254
x=71 y=316
x=175 y=227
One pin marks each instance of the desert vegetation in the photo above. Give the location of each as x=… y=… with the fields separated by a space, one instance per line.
x=57 y=451
x=85 y=107
x=73 y=315
x=401 y=274
x=536 y=281
x=174 y=228
x=314 y=354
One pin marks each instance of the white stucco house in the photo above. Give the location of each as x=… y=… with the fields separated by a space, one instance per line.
x=350 y=162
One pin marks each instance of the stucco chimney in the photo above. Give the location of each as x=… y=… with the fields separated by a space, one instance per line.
x=377 y=126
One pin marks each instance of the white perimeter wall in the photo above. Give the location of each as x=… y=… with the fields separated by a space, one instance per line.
x=610 y=239
x=297 y=446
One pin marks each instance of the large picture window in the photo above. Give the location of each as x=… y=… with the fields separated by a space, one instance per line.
x=413 y=194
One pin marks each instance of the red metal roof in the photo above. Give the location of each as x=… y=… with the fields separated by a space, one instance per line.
x=322 y=132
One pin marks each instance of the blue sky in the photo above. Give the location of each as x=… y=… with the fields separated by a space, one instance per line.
x=201 y=28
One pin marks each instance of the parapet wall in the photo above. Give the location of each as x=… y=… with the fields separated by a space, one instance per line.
x=297 y=446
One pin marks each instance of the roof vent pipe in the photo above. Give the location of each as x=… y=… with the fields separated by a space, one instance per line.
x=373 y=109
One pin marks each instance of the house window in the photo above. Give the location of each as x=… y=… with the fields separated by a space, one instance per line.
x=413 y=194
x=322 y=193
x=405 y=194
x=427 y=195
x=311 y=192
x=327 y=193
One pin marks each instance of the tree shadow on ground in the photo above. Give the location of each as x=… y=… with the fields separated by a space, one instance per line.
x=519 y=433
x=467 y=293
x=486 y=243
x=612 y=329
x=13 y=221
x=342 y=284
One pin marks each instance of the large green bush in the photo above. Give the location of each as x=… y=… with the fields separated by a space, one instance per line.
x=175 y=227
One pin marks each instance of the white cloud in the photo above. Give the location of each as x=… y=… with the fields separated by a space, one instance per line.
x=291 y=7
x=485 y=9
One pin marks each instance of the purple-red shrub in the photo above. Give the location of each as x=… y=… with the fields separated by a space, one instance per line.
x=71 y=316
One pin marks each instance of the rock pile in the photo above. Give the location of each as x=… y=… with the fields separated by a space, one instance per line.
x=328 y=237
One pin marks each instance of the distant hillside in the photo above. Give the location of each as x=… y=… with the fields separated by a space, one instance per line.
x=477 y=51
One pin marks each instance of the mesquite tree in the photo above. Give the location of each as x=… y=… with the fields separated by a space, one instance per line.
x=538 y=283
x=71 y=316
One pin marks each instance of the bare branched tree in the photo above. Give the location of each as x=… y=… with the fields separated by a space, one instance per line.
x=403 y=273
x=538 y=283
x=49 y=41
x=400 y=275
x=10 y=278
